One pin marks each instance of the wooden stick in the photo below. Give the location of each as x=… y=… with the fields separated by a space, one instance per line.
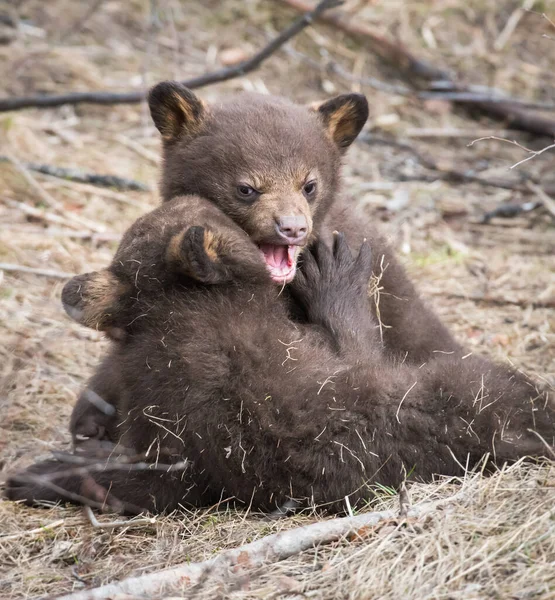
x=42 y=101
x=268 y=550
x=134 y=522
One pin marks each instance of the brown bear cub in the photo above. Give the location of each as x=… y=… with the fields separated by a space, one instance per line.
x=273 y=167
x=236 y=399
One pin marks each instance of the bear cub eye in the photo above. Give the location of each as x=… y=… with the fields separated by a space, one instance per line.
x=246 y=192
x=309 y=189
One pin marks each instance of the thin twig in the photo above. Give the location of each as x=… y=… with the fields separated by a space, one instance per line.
x=268 y=550
x=134 y=522
x=549 y=448
x=512 y=23
x=134 y=97
x=533 y=153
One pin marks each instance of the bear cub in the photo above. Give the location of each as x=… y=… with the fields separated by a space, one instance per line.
x=273 y=167
x=217 y=379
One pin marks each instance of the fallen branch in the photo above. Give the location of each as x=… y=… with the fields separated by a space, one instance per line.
x=270 y=549
x=133 y=97
x=79 y=176
x=420 y=73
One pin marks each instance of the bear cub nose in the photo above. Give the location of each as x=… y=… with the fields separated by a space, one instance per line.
x=293 y=228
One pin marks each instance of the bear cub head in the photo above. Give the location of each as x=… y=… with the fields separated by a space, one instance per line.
x=269 y=164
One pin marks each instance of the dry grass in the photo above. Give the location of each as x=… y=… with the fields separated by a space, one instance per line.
x=498 y=545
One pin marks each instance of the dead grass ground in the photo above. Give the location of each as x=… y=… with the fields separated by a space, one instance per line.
x=482 y=279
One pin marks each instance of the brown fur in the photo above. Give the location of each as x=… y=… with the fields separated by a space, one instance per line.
x=264 y=409
x=275 y=146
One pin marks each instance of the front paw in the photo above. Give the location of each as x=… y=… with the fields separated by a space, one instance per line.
x=332 y=280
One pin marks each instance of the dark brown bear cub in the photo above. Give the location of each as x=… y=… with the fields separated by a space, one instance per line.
x=273 y=167
x=225 y=396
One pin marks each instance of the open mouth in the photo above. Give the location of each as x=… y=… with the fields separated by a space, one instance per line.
x=281 y=261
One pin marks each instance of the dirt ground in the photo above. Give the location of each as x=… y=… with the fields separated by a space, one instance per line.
x=494 y=284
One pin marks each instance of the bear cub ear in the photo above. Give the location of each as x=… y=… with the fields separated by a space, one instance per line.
x=343 y=117
x=175 y=110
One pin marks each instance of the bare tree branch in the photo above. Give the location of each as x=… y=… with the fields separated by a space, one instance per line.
x=270 y=549
x=133 y=97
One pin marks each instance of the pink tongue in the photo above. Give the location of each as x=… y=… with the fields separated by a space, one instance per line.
x=277 y=257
